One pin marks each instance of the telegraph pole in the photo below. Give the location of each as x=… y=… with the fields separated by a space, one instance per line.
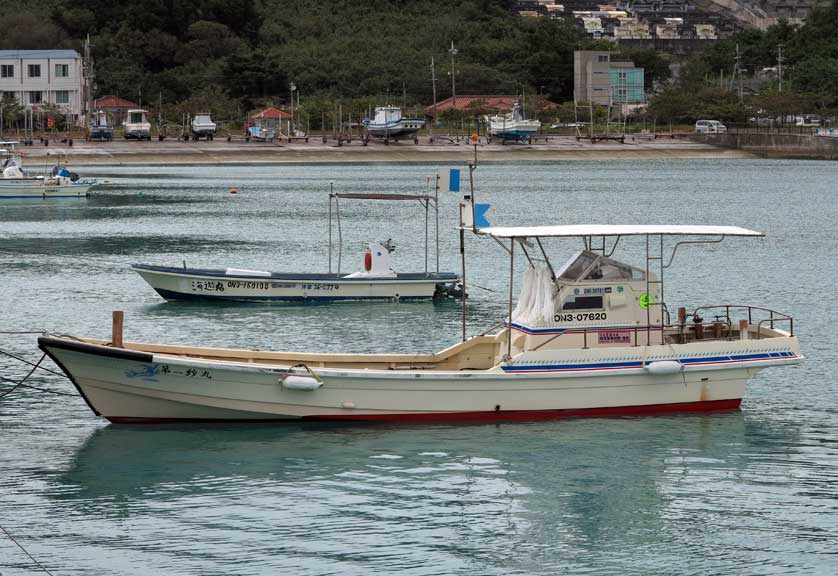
x=87 y=72
x=780 y=66
x=433 y=84
x=453 y=51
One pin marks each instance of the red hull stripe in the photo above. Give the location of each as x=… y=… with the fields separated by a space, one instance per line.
x=499 y=415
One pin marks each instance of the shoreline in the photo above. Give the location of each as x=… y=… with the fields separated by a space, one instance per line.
x=133 y=153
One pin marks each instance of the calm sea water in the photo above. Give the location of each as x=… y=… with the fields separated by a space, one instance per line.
x=748 y=492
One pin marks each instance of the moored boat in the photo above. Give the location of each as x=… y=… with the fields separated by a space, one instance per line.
x=59 y=183
x=377 y=281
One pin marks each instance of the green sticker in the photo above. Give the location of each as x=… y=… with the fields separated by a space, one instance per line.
x=619 y=288
x=646 y=300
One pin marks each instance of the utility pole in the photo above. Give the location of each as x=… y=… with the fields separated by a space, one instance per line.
x=292 y=87
x=780 y=66
x=433 y=84
x=87 y=72
x=453 y=51
x=737 y=72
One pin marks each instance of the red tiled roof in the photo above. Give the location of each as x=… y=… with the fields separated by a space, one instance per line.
x=467 y=103
x=113 y=102
x=271 y=114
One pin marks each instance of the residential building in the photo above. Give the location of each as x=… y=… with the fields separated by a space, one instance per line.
x=598 y=79
x=39 y=77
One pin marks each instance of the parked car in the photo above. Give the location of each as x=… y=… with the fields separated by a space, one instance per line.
x=808 y=120
x=710 y=127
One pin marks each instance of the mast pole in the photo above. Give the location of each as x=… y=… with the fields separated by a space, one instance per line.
x=331 y=190
x=436 y=225
x=463 y=259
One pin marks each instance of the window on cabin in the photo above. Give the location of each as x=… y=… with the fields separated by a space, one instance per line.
x=583 y=303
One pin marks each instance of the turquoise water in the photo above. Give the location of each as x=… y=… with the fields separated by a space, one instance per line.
x=747 y=492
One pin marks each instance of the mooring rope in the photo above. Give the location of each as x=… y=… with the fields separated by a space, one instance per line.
x=38 y=564
x=18 y=384
x=25 y=361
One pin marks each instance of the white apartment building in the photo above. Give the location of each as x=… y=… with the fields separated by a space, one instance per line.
x=38 y=77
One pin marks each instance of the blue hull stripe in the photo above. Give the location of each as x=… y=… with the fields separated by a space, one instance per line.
x=638 y=364
x=170 y=295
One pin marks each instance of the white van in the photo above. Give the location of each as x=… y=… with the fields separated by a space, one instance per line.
x=710 y=127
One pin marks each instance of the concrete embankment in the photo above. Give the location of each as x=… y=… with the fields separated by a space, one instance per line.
x=772 y=145
x=315 y=151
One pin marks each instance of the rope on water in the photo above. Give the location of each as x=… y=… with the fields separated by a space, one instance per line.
x=48 y=391
x=12 y=538
x=25 y=361
x=482 y=288
x=18 y=384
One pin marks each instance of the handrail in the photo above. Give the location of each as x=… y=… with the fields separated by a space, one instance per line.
x=775 y=316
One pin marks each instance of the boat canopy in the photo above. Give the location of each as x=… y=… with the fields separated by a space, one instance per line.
x=382 y=196
x=613 y=230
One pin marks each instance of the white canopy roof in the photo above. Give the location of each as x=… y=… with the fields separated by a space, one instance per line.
x=614 y=230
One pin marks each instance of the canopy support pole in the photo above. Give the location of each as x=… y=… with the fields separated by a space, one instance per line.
x=511 y=282
x=463 y=258
x=547 y=260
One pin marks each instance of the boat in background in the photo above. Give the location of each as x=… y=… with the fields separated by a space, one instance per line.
x=377 y=281
x=100 y=127
x=59 y=183
x=389 y=124
x=202 y=126
x=136 y=125
x=513 y=126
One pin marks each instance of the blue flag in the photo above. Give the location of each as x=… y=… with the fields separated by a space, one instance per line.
x=454 y=180
x=480 y=215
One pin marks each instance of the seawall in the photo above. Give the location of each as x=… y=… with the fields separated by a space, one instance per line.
x=773 y=145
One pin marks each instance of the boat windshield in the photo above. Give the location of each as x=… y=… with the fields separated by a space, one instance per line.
x=587 y=265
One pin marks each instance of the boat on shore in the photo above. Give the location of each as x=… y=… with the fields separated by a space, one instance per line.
x=591 y=338
x=100 y=127
x=136 y=125
x=377 y=281
x=389 y=124
x=513 y=126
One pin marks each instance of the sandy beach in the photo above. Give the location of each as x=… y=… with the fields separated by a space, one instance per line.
x=122 y=152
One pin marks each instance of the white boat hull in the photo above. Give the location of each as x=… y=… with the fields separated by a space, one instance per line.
x=196 y=284
x=131 y=386
x=39 y=189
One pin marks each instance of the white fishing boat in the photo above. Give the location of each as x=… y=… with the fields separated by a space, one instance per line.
x=591 y=338
x=388 y=123
x=59 y=183
x=513 y=126
x=375 y=281
x=100 y=127
x=203 y=127
x=136 y=125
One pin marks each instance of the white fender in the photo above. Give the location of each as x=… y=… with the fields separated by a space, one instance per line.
x=662 y=367
x=293 y=382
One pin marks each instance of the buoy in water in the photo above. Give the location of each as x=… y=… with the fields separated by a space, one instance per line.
x=234 y=190
x=139 y=194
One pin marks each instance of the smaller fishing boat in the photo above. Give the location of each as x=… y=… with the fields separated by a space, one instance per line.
x=203 y=126
x=376 y=281
x=100 y=127
x=259 y=134
x=513 y=126
x=388 y=123
x=136 y=125
x=59 y=183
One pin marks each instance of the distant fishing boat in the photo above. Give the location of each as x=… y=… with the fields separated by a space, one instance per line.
x=376 y=281
x=59 y=183
x=388 y=123
x=136 y=125
x=100 y=127
x=513 y=126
